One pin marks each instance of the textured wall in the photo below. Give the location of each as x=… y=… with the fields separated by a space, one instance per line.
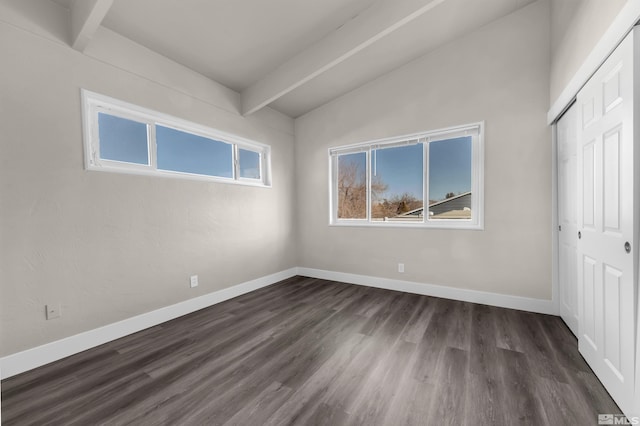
x=499 y=74
x=576 y=27
x=110 y=246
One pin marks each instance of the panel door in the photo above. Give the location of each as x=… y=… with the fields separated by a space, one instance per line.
x=567 y=142
x=606 y=249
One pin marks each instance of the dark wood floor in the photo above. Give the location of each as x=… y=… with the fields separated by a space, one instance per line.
x=314 y=352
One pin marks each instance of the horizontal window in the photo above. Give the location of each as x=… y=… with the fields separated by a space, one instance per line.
x=433 y=179
x=125 y=138
x=249 y=162
x=180 y=151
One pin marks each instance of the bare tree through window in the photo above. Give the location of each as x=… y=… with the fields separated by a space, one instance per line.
x=352 y=186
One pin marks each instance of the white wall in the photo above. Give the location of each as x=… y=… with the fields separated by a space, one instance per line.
x=110 y=246
x=576 y=28
x=499 y=74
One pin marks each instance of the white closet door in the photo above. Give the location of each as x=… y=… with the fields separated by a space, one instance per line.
x=567 y=142
x=606 y=249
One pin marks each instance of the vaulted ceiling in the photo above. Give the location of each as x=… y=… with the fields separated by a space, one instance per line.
x=293 y=55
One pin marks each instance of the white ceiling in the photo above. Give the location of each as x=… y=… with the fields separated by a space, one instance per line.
x=235 y=42
x=240 y=42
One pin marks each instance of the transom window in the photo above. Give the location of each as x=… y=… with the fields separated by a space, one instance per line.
x=432 y=179
x=126 y=138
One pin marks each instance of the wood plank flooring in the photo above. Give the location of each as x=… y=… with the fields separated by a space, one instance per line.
x=314 y=352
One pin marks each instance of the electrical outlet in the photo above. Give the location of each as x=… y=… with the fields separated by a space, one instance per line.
x=194 y=281
x=53 y=311
x=401 y=267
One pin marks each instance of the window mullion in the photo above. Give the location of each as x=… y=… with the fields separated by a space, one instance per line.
x=369 y=182
x=152 y=145
x=425 y=180
x=236 y=162
x=95 y=136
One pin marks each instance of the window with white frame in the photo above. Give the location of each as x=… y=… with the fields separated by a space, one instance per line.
x=122 y=137
x=432 y=179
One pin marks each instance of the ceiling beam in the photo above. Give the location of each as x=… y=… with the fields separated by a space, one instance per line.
x=371 y=25
x=86 y=17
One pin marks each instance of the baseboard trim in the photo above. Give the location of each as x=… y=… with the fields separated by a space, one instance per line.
x=20 y=362
x=485 y=298
x=29 y=359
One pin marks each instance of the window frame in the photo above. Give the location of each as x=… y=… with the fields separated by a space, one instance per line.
x=261 y=166
x=95 y=103
x=475 y=130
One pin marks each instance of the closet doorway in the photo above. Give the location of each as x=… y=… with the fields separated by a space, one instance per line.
x=567 y=142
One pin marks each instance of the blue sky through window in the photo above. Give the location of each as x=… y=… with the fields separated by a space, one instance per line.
x=400 y=168
x=249 y=162
x=179 y=151
x=122 y=139
x=389 y=178
x=449 y=167
x=357 y=161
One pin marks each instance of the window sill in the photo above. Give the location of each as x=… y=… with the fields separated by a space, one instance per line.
x=448 y=225
x=177 y=175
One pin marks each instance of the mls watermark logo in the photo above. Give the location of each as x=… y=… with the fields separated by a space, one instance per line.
x=617 y=419
x=605 y=419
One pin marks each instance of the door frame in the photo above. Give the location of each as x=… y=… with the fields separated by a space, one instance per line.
x=619 y=29
x=555 y=219
x=555 y=235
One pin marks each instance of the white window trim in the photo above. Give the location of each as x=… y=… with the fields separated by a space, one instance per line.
x=476 y=130
x=93 y=103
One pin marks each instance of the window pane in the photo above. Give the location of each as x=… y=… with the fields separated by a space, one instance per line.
x=450 y=179
x=249 y=164
x=179 y=151
x=397 y=184
x=122 y=139
x=352 y=186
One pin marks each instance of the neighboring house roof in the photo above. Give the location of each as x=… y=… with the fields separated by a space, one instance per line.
x=414 y=212
x=441 y=206
x=448 y=200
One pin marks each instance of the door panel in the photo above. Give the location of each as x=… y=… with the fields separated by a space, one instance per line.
x=612 y=181
x=588 y=301
x=588 y=179
x=607 y=275
x=567 y=139
x=612 y=318
x=612 y=95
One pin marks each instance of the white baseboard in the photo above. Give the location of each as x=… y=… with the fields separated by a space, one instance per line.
x=494 y=299
x=32 y=358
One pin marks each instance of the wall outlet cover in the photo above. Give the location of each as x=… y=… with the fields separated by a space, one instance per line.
x=53 y=311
